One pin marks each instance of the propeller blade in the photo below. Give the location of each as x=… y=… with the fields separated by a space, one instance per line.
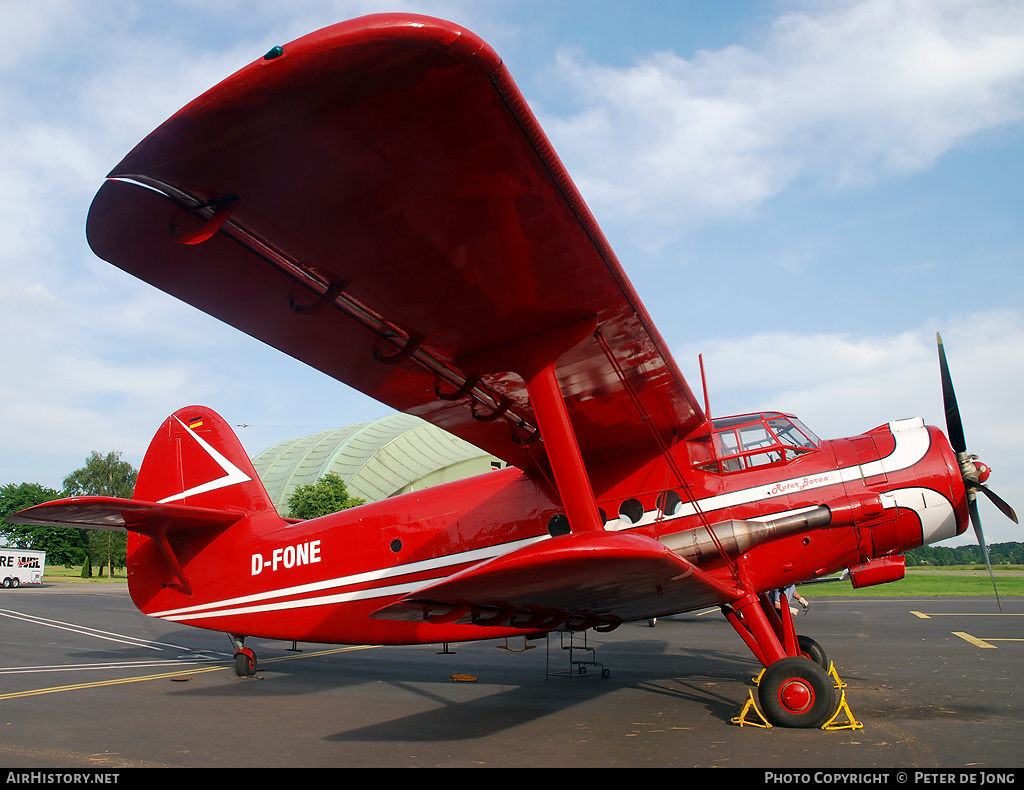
x=1004 y=508
x=976 y=521
x=954 y=427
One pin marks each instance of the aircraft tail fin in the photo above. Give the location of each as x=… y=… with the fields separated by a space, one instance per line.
x=195 y=459
x=195 y=479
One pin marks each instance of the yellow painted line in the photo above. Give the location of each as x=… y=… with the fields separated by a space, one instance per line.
x=967 y=614
x=101 y=683
x=973 y=640
x=924 y=616
x=328 y=652
x=162 y=675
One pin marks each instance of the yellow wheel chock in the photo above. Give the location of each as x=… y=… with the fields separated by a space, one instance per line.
x=747 y=707
x=850 y=723
x=743 y=720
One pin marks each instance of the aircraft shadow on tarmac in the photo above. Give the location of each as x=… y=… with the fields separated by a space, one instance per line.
x=412 y=694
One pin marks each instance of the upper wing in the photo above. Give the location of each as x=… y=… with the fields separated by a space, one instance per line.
x=379 y=202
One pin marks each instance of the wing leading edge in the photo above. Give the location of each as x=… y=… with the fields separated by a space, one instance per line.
x=379 y=202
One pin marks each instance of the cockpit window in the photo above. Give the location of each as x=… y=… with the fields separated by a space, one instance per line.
x=755 y=440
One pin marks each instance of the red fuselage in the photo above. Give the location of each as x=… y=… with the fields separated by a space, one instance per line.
x=887 y=491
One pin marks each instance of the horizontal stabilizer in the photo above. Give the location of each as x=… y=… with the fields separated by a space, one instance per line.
x=152 y=519
x=573 y=581
x=156 y=520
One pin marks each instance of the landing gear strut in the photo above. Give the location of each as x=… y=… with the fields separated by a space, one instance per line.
x=795 y=690
x=245 y=658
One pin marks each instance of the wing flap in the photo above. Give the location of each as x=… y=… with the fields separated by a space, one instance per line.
x=583 y=580
x=380 y=203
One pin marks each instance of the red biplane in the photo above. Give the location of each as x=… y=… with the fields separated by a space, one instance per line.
x=377 y=200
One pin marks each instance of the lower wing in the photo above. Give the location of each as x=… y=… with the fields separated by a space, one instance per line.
x=577 y=581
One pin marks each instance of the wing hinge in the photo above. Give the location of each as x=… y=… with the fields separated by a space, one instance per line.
x=412 y=343
x=223 y=208
x=333 y=291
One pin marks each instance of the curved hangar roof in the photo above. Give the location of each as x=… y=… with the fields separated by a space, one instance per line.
x=377 y=460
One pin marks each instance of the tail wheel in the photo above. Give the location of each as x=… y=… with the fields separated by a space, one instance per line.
x=810 y=649
x=245 y=663
x=796 y=692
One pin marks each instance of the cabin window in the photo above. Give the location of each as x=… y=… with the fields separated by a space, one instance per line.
x=558 y=524
x=669 y=503
x=754 y=440
x=631 y=511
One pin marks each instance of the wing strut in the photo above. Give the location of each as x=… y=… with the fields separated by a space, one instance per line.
x=534 y=357
x=563 y=451
x=664 y=450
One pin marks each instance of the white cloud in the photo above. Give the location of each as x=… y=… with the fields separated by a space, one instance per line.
x=840 y=93
x=845 y=384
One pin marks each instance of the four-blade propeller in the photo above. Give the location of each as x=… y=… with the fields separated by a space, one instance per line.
x=974 y=472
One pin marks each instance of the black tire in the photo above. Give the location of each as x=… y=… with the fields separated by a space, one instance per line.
x=15 y=582
x=812 y=650
x=795 y=692
x=245 y=663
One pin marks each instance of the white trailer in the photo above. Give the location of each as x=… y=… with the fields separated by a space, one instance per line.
x=21 y=566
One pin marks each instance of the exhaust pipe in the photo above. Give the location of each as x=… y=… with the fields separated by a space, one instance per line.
x=736 y=536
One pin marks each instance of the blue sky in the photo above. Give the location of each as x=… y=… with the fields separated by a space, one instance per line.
x=803 y=192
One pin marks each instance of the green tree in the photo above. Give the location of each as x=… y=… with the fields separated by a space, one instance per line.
x=63 y=545
x=103 y=476
x=328 y=494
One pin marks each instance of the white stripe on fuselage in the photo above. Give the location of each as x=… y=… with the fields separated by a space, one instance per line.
x=438 y=564
x=912 y=443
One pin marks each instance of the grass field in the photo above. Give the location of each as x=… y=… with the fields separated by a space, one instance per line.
x=73 y=573
x=953 y=580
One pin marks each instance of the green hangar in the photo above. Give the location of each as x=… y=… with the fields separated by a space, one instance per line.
x=377 y=460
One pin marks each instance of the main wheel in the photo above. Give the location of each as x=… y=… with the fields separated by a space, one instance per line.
x=812 y=650
x=796 y=692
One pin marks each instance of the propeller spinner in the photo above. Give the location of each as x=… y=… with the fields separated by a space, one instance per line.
x=974 y=472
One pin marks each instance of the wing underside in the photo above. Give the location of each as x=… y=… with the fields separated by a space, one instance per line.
x=380 y=203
